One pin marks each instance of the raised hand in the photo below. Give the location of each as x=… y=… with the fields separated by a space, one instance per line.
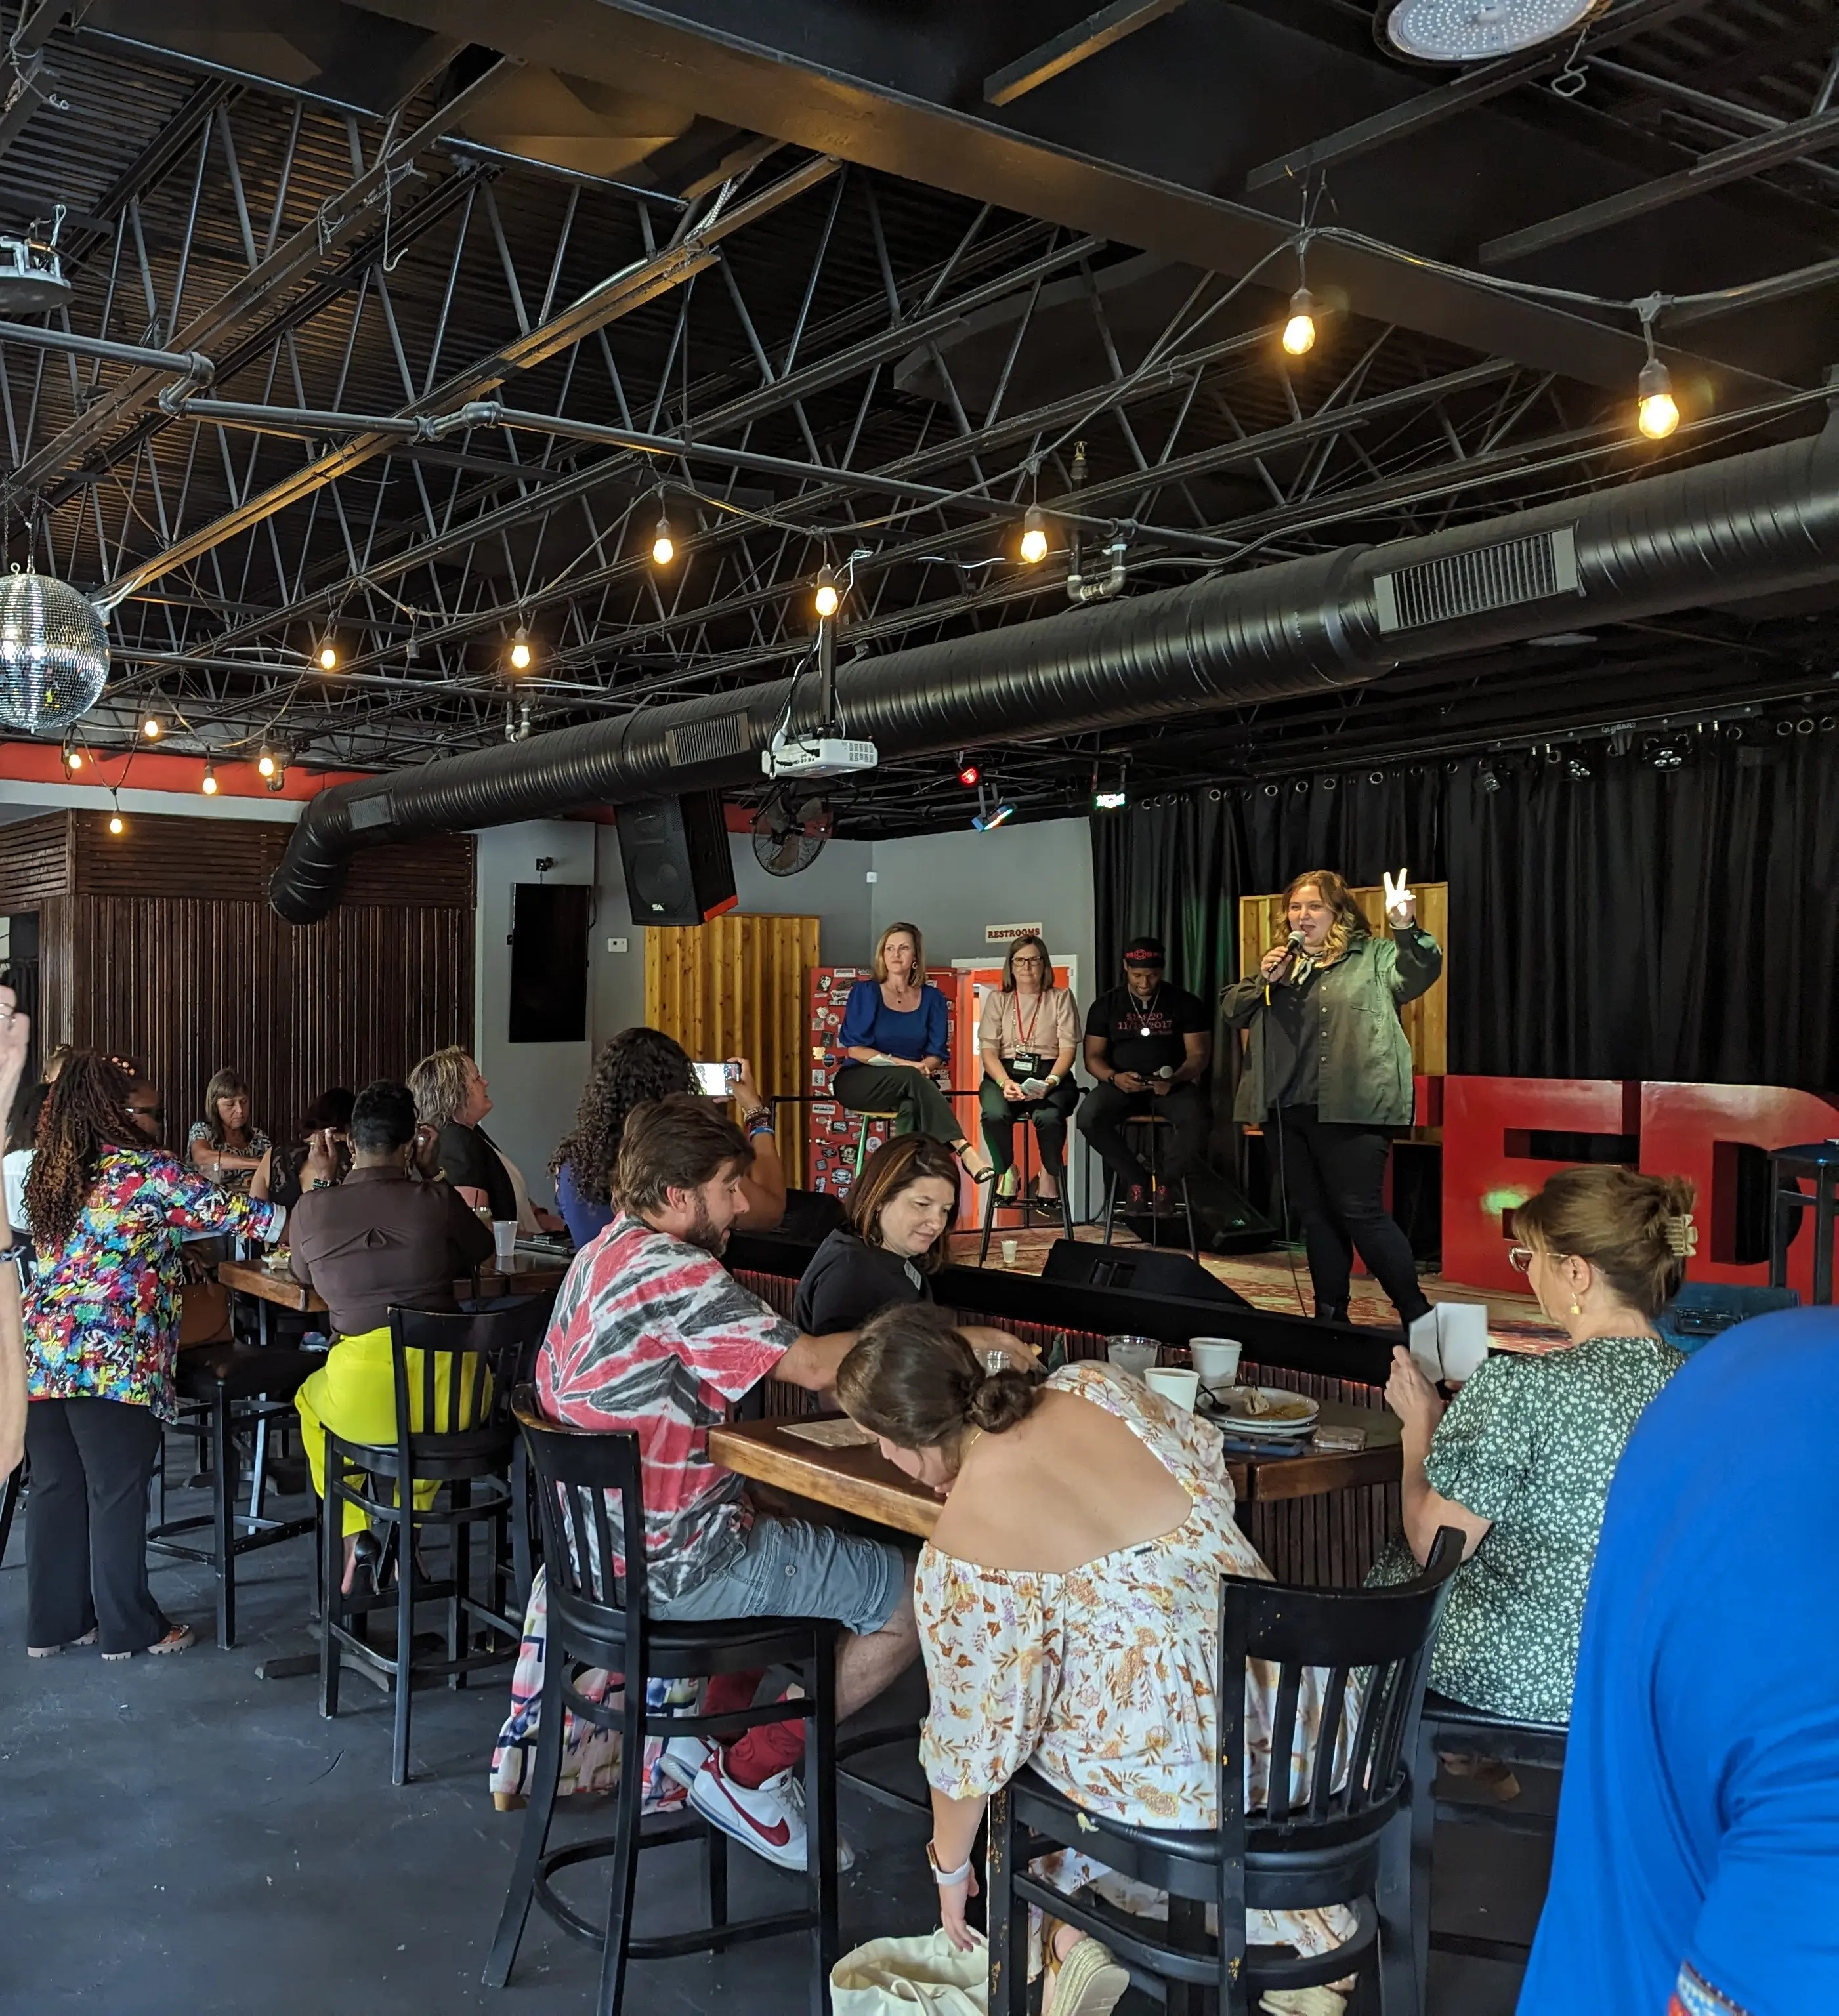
x=1401 y=899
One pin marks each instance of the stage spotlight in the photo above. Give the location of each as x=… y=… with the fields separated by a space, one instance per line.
x=1577 y=768
x=1665 y=757
x=264 y=763
x=327 y=656
x=1111 y=801
x=1656 y=413
x=988 y=822
x=1299 y=330
x=663 y=546
x=151 y=727
x=969 y=775
x=828 y=598
x=519 y=651
x=209 y=786
x=1034 y=536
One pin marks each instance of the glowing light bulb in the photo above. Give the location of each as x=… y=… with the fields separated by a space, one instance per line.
x=664 y=547
x=1657 y=413
x=151 y=728
x=1034 y=548
x=828 y=600
x=117 y=825
x=328 y=656
x=264 y=764
x=209 y=786
x=1299 y=331
x=520 y=653
x=969 y=775
x=73 y=760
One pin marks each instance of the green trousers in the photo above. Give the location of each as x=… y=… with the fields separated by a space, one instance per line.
x=904 y=1090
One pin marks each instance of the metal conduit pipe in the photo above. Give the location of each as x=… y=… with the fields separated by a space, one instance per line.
x=192 y=364
x=1758 y=524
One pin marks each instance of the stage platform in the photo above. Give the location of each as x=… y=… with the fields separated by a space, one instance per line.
x=1278 y=1282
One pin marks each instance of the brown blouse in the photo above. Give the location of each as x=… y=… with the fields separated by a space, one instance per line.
x=1046 y=1025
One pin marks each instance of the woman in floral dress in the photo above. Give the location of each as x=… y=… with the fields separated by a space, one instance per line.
x=108 y=1210
x=1068 y=1605
x=1520 y=1461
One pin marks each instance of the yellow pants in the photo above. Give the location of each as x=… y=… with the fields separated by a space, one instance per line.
x=354 y=1394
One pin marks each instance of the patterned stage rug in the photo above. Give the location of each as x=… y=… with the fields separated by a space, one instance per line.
x=1279 y=1281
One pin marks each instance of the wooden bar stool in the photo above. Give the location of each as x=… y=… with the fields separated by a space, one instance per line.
x=866 y=1114
x=1184 y=1210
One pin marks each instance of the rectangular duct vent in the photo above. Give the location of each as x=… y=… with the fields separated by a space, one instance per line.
x=1471 y=583
x=373 y=809
x=707 y=741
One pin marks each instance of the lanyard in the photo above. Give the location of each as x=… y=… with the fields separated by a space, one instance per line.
x=1026 y=1029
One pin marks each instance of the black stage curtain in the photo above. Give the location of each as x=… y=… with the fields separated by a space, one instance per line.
x=1636 y=923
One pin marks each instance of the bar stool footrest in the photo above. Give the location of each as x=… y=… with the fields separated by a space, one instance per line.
x=660 y=1946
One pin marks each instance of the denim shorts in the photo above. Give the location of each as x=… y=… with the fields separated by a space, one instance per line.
x=789 y=1568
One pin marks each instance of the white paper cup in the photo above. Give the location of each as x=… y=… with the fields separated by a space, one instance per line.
x=1134 y=1355
x=1011 y=1247
x=1216 y=1359
x=504 y=1236
x=1175 y=1383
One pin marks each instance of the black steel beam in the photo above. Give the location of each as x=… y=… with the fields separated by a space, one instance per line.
x=1063 y=51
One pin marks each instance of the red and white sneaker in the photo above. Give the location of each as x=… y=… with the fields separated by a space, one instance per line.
x=683 y=1757
x=768 y=1818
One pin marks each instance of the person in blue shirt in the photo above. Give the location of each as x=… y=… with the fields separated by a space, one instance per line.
x=1696 y=1868
x=637 y=1065
x=895 y=1034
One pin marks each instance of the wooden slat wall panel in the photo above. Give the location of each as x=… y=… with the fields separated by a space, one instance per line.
x=1262 y=923
x=735 y=987
x=35 y=861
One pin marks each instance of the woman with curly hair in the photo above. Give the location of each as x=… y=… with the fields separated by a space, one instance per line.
x=108 y=1209
x=638 y=1065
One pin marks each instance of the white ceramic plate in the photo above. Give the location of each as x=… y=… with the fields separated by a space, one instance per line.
x=1293 y=1413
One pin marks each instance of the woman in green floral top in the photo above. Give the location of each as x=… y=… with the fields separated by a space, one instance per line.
x=108 y=1210
x=1520 y=1461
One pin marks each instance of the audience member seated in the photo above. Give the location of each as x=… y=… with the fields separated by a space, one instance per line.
x=651 y=1334
x=1149 y=1044
x=1520 y=1462
x=1697 y=1856
x=451 y=1095
x=109 y=1208
x=322 y=1155
x=223 y=1145
x=1028 y=1033
x=22 y=1139
x=377 y=1238
x=901 y=1209
x=1068 y=1610
x=639 y=1065
x=895 y=1034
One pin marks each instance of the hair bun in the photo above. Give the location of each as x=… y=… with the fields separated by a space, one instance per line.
x=999 y=1400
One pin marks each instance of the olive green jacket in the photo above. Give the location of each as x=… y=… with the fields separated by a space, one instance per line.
x=1364 y=1064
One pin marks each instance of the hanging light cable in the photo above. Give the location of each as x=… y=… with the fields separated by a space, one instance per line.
x=1299 y=329
x=828 y=598
x=1657 y=412
x=664 y=545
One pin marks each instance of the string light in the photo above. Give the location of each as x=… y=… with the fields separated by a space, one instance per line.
x=828 y=598
x=663 y=546
x=1299 y=331
x=1034 y=536
x=327 y=655
x=209 y=786
x=264 y=763
x=520 y=650
x=73 y=760
x=1657 y=412
x=117 y=825
x=151 y=727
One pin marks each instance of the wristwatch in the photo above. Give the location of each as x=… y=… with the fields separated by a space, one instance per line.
x=946 y=1879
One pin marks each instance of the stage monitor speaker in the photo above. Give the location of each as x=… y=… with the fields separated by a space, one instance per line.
x=1135 y=1269
x=674 y=851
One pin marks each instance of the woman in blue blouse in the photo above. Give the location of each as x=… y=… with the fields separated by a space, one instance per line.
x=895 y=1036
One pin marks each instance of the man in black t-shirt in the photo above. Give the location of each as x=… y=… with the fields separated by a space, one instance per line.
x=1149 y=1044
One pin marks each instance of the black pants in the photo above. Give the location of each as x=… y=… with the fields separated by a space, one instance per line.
x=1049 y=1115
x=1105 y=1109
x=904 y=1090
x=86 y=1529
x=1332 y=1176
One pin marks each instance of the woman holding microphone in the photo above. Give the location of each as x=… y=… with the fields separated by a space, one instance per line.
x=1328 y=1074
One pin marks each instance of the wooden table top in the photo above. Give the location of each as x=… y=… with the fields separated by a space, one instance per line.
x=860 y=1480
x=526 y=1275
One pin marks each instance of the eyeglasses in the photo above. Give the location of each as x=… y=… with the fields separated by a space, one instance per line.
x=1520 y=1259
x=149 y=1112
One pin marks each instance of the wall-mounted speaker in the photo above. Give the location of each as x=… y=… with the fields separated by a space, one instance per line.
x=674 y=851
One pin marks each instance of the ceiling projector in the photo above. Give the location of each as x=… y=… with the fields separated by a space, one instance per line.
x=816 y=756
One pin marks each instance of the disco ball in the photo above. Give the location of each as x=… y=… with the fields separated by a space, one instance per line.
x=54 y=653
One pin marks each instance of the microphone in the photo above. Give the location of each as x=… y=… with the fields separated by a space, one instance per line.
x=1296 y=942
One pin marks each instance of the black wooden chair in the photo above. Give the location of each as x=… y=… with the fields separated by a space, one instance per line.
x=1451 y=1729
x=1346 y=1843
x=453 y=1430
x=226 y=1391
x=599 y=1616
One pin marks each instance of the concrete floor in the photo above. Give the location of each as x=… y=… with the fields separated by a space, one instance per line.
x=179 y=1838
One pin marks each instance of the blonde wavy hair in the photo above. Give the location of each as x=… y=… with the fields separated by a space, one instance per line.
x=1349 y=925
x=439 y=1085
x=881 y=959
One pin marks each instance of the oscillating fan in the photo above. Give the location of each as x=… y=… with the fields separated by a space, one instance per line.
x=1463 y=31
x=789 y=830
